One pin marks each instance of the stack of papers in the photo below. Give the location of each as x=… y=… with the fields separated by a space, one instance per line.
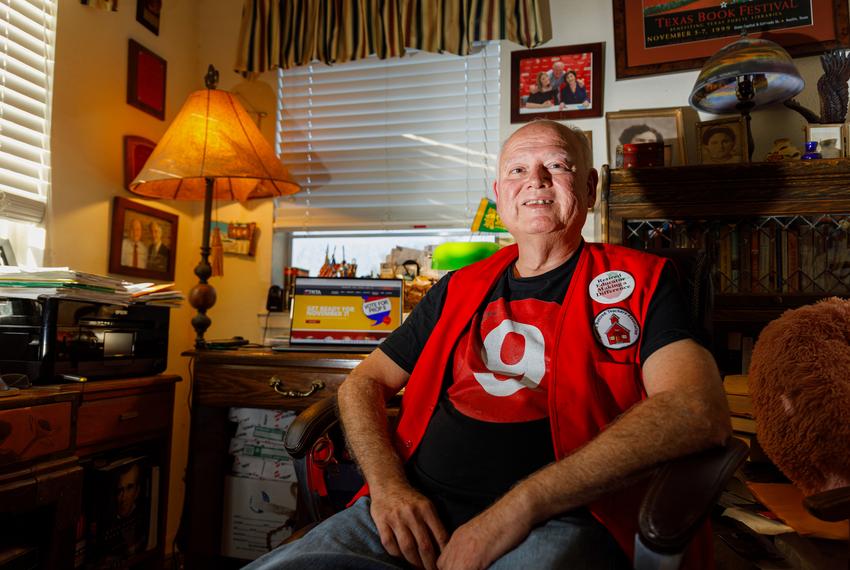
x=162 y=295
x=61 y=282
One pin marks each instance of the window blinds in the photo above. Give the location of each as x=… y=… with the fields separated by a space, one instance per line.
x=27 y=34
x=406 y=142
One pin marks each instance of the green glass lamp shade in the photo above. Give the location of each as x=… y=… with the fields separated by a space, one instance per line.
x=768 y=66
x=454 y=255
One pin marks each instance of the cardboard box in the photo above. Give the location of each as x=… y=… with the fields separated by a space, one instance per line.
x=258 y=515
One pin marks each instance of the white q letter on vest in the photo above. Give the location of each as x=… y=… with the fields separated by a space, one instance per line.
x=529 y=369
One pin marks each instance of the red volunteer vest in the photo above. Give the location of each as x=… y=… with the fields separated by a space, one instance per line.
x=591 y=385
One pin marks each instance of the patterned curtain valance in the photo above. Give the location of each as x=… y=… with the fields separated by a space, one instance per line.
x=289 y=33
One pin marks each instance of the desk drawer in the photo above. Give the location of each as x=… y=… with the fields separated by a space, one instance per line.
x=34 y=431
x=249 y=386
x=117 y=418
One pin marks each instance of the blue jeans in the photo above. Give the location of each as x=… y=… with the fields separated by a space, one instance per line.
x=349 y=540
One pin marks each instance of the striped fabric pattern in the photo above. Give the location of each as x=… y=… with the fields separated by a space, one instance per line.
x=289 y=33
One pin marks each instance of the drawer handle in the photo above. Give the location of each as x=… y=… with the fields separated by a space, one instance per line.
x=128 y=416
x=277 y=384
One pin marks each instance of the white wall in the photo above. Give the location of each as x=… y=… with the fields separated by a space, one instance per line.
x=580 y=22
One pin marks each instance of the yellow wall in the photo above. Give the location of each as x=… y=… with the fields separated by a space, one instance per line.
x=90 y=118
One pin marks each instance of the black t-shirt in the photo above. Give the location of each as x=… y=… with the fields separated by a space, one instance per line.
x=542 y=97
x=476 y=447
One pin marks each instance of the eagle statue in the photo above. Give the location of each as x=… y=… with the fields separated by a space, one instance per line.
x=832 y=88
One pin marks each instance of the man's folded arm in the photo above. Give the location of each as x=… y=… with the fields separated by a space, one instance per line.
x=685 y=412
x=406 y=520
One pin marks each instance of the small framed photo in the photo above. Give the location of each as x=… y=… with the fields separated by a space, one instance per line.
x=146 y=73
x=7 y=255
x=647 y=125
x=147 y=14
x=143 y=241
x=137 y=150
x=558 y=83
x=722 y=141
x=831 y=139
x=238 y=238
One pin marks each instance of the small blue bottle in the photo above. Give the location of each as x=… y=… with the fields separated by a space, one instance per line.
x=811 y=151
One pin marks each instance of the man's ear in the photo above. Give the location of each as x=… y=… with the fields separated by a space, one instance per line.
x=496 y=189
x=592 y=182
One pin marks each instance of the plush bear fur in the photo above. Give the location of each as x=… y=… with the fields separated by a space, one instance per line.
x=800 y=386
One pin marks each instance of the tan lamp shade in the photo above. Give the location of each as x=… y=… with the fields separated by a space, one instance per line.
x=213 y=137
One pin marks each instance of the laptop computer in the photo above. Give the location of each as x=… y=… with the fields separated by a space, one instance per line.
x=348 y=314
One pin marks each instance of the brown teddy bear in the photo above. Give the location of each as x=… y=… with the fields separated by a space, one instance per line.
x=800 y=386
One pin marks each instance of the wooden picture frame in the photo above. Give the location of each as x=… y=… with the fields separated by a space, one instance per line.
x=146 y=75
x=652 y=37
x=665 y=125
x=825 y=132
x=530 y=68
x=147 y=14
x=137 y=150
x=722 y=141
x=135 y=248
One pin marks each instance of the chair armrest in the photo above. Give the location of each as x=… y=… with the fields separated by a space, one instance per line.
x=309 y=425
x=682 y=492
x=833 y=505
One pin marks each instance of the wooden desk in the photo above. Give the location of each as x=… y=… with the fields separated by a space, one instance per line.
x=49 y=435
x=240 y=378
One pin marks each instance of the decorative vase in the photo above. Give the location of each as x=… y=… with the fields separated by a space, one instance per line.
x=811 y=151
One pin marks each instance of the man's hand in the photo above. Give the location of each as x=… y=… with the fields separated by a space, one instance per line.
x=481 y=541
x=408 y=525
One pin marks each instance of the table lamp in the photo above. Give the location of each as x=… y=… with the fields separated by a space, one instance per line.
x=743 y=75
x=212 y=150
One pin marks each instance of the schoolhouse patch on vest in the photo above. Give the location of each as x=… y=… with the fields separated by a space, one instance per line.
x=616 y=328
x=611 y=287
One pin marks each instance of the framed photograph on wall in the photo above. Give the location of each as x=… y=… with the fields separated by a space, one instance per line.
x=661 y=36
x=663 y=126
x=722 y=141
x=147 y=14
x=137 y=150
x=146 y=73
x=558 y=83
x=143 y=241
x=831 y=139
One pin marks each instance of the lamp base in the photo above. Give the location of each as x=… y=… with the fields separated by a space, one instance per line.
x=202 y=296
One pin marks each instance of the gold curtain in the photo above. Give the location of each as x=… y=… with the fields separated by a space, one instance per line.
x=289 y=33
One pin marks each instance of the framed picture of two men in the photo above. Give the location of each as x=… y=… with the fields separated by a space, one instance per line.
x=143 y=241
x=560 y=83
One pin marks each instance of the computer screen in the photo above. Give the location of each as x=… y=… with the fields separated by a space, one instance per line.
x=345 y=311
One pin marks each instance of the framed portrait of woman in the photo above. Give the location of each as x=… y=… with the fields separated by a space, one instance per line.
x=559 y=83
x=663 y=126
x=722 y=141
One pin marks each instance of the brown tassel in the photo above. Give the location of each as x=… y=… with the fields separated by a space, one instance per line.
x=217 y=253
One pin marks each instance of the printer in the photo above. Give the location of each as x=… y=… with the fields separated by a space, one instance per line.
x=54 y=339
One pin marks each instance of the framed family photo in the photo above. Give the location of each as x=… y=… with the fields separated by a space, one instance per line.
x=723 y=141
x=146 y=74
x=560 y=83
x=663 y=126
x=143 y=241
x=661 y=36
x=831 y=138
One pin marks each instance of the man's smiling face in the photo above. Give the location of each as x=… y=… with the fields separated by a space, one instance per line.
x=544 y=185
